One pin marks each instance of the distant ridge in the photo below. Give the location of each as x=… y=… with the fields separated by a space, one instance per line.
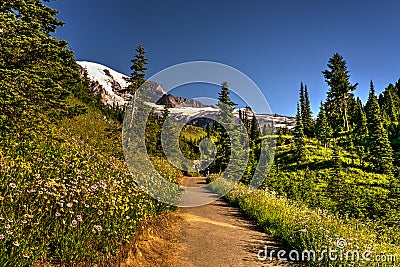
x=110 y=85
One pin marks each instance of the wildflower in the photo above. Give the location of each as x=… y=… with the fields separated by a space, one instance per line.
x=39 y=159
x=12 y=185
x=1 y=217
x=128 y=218
x=1 y=236
x=99 y=212
x=57 y=214
x=79 y=218
x=303 y=230
x=99 y=228
x=26 y=256
x=74 y=223
x=15 y=243
x=7 y=226
x=87 y=206
x=69 y=205
x=9 y=232
x=24 y=221
x=10 y=220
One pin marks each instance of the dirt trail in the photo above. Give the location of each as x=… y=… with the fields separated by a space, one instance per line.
x=212 y=235
x=217 y=234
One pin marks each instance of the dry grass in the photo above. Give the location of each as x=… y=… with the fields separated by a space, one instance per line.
x=156 y=243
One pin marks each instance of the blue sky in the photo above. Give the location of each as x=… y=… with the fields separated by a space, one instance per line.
x=276 y=43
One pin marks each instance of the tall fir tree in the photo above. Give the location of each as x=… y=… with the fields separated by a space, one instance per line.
x=360 y=130
x=138 y=75
x=254 y=132
x=302 y=99
x=299 y=137
x=380 y=150
x=306 y=113
x=337 y=77
x=224 y=125
x=323 y=130
x=152 y=130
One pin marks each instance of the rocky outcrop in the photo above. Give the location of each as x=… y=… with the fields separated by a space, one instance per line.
x=177 y=101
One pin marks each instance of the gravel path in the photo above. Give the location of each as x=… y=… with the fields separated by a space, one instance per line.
x=217 y=234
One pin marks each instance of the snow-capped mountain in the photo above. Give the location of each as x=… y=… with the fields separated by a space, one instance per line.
x=110 y=85
x=105 y=82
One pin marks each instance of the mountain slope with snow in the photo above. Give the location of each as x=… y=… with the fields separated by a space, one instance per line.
x=110 y=85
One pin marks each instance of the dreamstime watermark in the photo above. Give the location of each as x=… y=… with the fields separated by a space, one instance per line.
x=143 y=104
x=338 y=254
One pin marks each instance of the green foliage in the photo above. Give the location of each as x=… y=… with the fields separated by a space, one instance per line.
x=225 y=124
x=302 y=228
x=380 y=151
x=37 y=71
x=360 y=130
x=340 y=93
x=299 y=137
x=138 y=68
x=305 y=111
x=254 y=132
x=322 y=129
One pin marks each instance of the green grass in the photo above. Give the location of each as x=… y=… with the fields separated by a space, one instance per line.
x=193 y=132
x=301 y=228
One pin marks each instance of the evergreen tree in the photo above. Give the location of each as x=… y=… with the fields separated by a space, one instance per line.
x=337 y=78
x=254 y=132
x=165 y=112
x=37 y=71
x=208 y=130
x=302 y=99
x=390 y=104
x=299 y=137
x=232 y=147
x=224 y=125
x=138 y=68
x=322 y=129
x=360 y=130
x=305 y=110
x=152 y=130
x=380 y=151
x=307 y=115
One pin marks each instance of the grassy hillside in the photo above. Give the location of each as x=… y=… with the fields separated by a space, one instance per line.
x=343 y=184
x=329 y=196
x=67 y=196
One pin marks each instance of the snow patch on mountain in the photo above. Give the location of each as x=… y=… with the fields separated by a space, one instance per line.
x=110 y=85
x=106 y=82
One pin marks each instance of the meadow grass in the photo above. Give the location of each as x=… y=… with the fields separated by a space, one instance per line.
x=301 y=228
x=67 y=197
